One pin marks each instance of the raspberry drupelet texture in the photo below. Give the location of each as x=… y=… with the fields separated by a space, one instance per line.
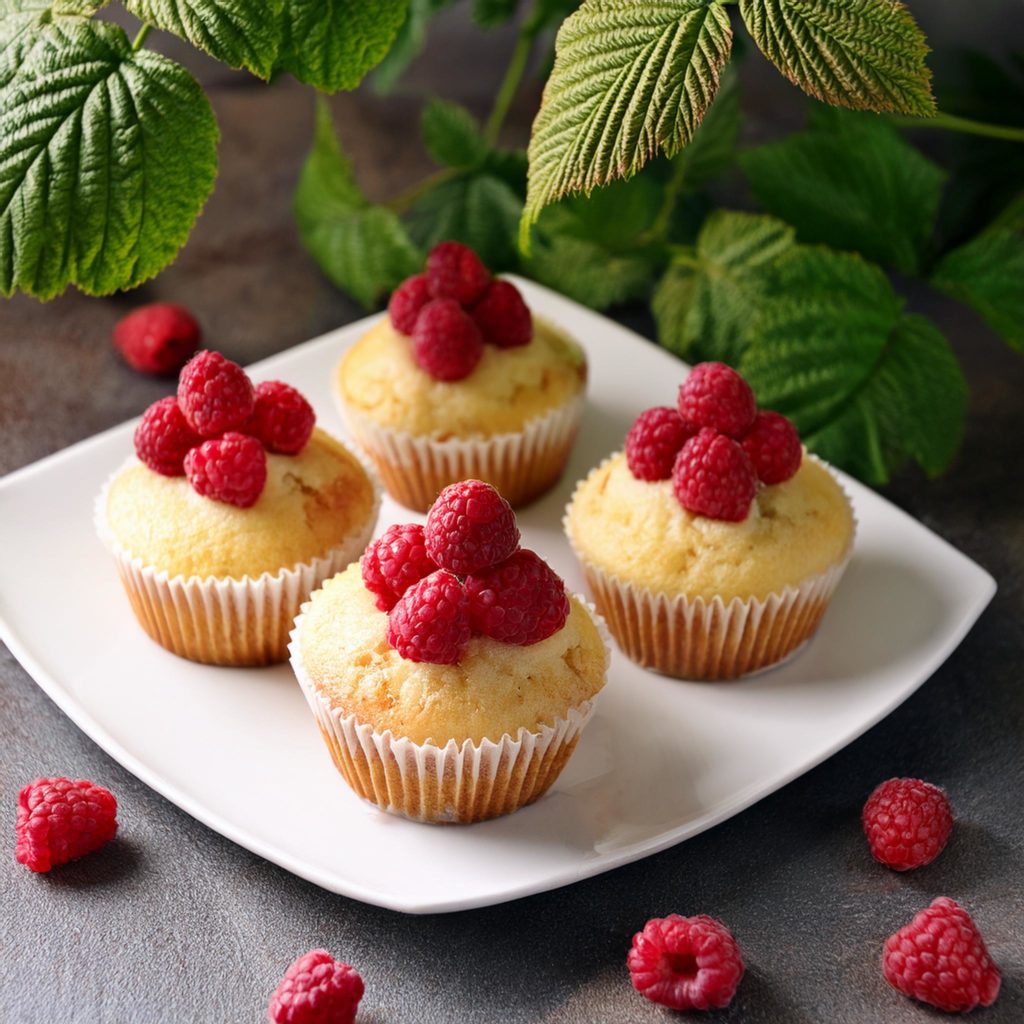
x=503 y=317
x=406 y=302
x=454 y=271
x=907 y=822
x=158 y=338
x=713 y=477
x=62 y=819
x=282 y=420
x=521 y=600
x=686 y=963
x=653 y=442
x=470 y=527
x=232 y=469
x=445 y=341
x=940 y=958
x=163 y=438
x=430 y=622
x=316 y=989
x=715 y=395
x=773 y=446
x=394 y=562
x=214 y=394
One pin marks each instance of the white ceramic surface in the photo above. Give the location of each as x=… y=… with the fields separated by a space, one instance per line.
x=661 y=761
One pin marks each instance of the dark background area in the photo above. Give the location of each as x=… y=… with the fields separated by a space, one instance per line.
x=174 y=923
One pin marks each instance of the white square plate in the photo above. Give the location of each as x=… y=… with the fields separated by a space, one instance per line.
x=661 y=761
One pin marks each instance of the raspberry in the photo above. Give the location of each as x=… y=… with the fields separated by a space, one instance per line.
x=653 y=442
x=232 y=469
x=502 y=316
x=316 y=989
x=214 y=394
x=392 y=564
x=521 y=600
x=445 y=341
x=282 y=420
x=430 y=623
x=163 y=438
x=715 y=395
x=406 y=302
x=713 y=477
x=62 y=819
x=907 y=823
x=454 y=271
x=686 y=963
x=774 y=448
x=470 y=526
x=158 y=338
x=940 y=958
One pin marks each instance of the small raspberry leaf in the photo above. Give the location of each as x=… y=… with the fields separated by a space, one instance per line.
x=451 y=135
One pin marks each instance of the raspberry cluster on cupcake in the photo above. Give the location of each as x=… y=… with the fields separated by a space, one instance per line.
x=712 y=543
x=461 y=381
x=450 y=673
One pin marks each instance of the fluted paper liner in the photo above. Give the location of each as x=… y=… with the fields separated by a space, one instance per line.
x=223 y=620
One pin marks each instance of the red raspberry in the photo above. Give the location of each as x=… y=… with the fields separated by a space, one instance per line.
x=214 y=394
x=282 y=420
x=393 y=563
x=454 y=271
x=774 y=447
x=158 y=338
x=653 y=442
x=715 y=395
x=519 y=601
x=907 y=823
x=232 y=469
x=445 y=341
x=713 y=477
x=62 y=819
x=941 y=959
x=163 y=438
x=470 y=526
x=503 y=317
x=406 y=302
x=316 y=989
x=686 y=963
x=430 y=623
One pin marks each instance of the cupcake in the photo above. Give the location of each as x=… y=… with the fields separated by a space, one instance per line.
x=713 y=543
x=460 y=381
x=233 y=511
x=450 y=673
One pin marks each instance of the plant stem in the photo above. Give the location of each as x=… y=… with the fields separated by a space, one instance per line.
x=962 y=124
x=405 y=200
x=510 y=83
x=141 y=37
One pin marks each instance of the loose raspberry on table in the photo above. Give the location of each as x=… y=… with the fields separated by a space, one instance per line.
x=406 y=302
x=774 y=448
x=316 y=989
x=653 y=442
x=715 y=395
x=907 y=823
x=503 y=317
x=282 y=420
x=163 y=438
x=158 y=338
x=62 y=819
x=469 y=527
x=214 y=394
x=454 y=271
x=521 y=600
x=686 y=963
x=445 y=341
x=232 y=469
x=940 y=958
x=713 y=477
x=394 y=562
x=430 y=620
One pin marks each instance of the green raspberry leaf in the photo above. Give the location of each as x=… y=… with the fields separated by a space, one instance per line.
x=629 y=79
x=451 y=135
x=864 y=54
x=712 y=150
x=106 y=158
x=362 y=248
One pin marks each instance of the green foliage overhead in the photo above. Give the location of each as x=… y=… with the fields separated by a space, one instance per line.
x=451 y=135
